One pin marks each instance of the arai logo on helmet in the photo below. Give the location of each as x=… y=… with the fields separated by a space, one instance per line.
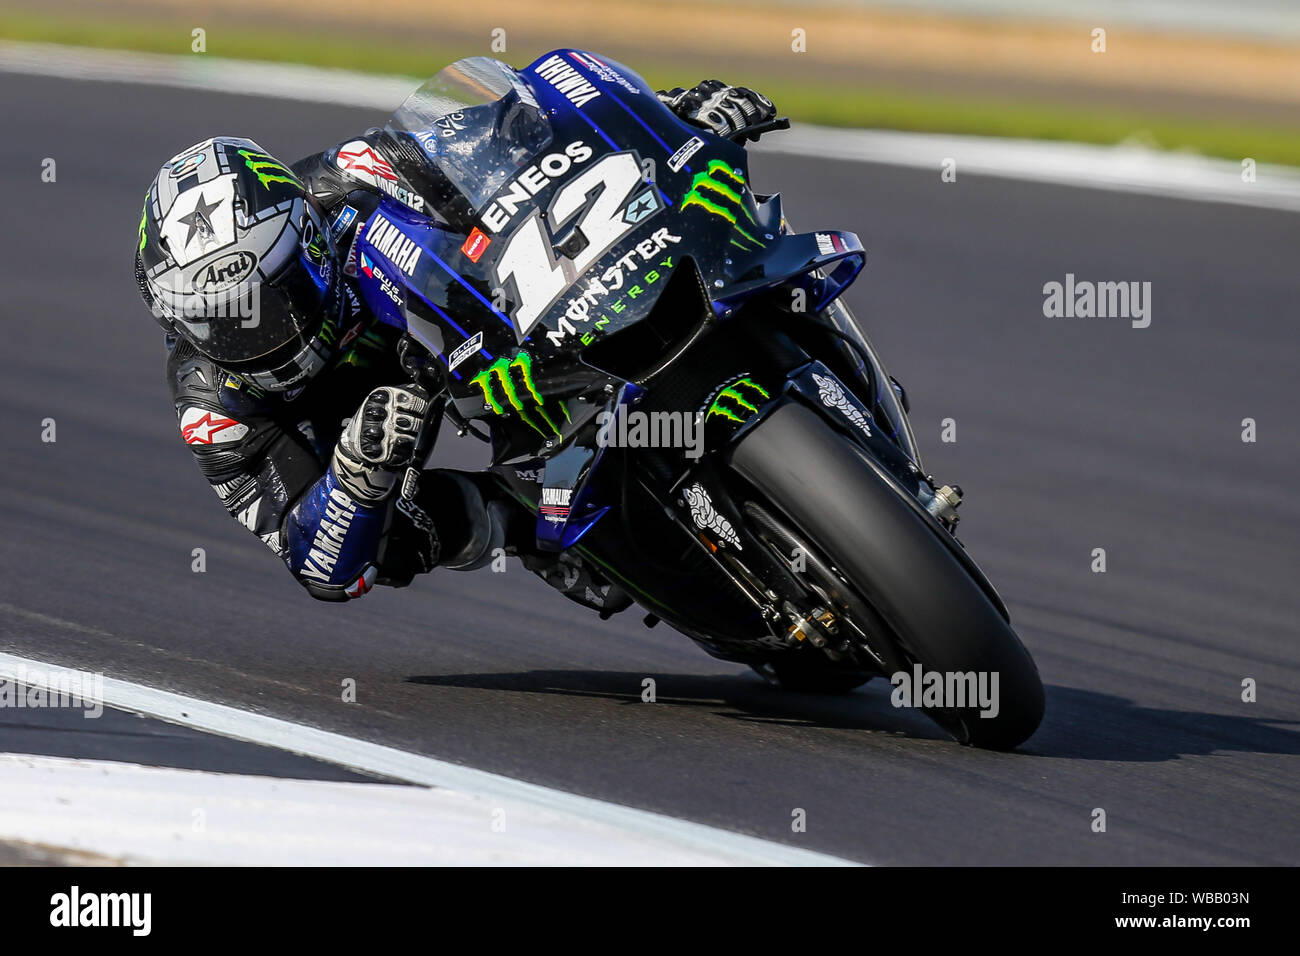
x=229 y=270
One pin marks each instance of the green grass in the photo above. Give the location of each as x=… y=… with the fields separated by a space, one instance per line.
x=988 y=117
x=888 y=109
x=273 y=44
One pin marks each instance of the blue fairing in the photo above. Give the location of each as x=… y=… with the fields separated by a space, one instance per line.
x=332 y=537
x=568 y=197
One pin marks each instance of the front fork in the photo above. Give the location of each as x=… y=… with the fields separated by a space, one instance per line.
x=704 y=507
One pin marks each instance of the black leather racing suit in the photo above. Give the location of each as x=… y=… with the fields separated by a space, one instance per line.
x=267 y=454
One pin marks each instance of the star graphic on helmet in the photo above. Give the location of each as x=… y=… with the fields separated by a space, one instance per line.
x=200 y=221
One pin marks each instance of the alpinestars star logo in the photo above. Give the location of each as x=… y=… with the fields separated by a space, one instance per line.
x=200 y=427
x=366 y=160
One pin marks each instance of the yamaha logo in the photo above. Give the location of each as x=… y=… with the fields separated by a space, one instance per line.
x=229 y=270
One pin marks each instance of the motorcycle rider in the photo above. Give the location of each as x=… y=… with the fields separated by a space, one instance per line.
x=299 y=406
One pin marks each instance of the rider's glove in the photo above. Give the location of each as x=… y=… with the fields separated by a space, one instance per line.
x=726 y=110
x=379 y=441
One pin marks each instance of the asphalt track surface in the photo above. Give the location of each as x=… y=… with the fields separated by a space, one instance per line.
x=1072 y=434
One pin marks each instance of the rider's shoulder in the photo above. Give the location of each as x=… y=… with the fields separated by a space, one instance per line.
x=356 y=162
x=334 y=177
x=199 y=382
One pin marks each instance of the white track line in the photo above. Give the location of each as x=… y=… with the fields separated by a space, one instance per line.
x=165 y=816
x=1124 y=168
x=202 y=72
x=673 y=835
x=1127 y=169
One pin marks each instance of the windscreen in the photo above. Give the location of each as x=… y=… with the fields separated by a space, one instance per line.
x=477 y=123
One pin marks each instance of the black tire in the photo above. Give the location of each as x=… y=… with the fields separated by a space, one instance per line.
x=811 y=672
x=939 y=615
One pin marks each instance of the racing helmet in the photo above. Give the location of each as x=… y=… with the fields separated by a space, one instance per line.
x=234 y=257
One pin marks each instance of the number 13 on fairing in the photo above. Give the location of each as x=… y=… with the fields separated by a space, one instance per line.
x=529 y=258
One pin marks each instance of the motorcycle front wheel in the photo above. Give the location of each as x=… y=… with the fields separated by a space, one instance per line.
x=937 y=615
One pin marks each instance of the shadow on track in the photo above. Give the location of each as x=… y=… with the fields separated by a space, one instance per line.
x=742 y=697
x=1085 y=725
x=1080 y=724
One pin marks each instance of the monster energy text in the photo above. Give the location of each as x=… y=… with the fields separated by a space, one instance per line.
x=627 y=276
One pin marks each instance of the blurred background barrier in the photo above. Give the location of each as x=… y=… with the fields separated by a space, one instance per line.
x=1198 y=75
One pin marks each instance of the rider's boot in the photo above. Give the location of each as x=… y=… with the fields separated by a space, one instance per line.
x=484 y=523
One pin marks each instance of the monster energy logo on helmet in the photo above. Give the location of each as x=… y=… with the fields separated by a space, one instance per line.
x=268 y=169
x=502 y=386
x=144 y=219
x=737 y=401
x=714 y=191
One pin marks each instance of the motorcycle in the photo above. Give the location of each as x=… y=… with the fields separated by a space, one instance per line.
x=670 y=381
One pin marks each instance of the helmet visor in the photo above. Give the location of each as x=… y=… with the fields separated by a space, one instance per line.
x=255 y=322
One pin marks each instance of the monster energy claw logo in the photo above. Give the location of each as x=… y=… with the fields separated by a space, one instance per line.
x=315 y=242
x=715 y=191
x=144 y=214
x=502 y=373
x=736 y=401
x=268 y=169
